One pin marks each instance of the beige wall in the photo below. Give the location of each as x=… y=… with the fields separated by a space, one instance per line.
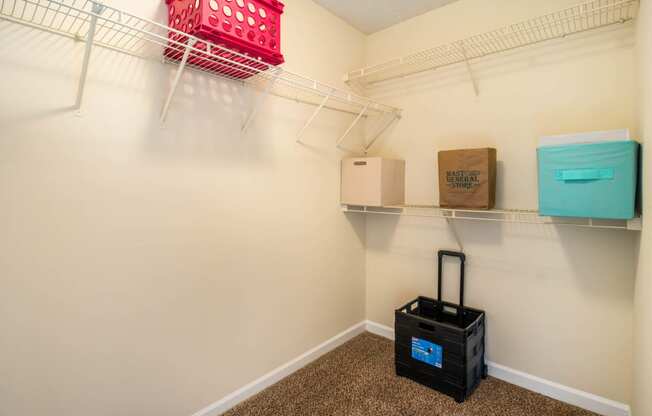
x=559 y=300
x=148 y=270
x=642 y=404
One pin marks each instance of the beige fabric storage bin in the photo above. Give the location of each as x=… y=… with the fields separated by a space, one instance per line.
x=373 y=181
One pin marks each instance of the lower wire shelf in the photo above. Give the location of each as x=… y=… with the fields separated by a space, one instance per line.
x=495 y=215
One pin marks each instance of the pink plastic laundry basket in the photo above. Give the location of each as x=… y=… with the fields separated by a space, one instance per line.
x=252 y=28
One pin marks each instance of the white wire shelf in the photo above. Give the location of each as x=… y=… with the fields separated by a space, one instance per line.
x=580 y=18
x=107 y=27
x=495 y=215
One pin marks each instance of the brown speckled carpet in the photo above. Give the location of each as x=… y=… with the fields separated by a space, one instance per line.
x=358 y=379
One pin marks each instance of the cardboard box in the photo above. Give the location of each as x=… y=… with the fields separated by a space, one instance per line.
x=467 y=178
x=373 y=181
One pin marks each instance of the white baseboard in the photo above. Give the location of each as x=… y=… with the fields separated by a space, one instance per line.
x=281 y=372
x=569 y=395
x=565 y=394
x=379 y=329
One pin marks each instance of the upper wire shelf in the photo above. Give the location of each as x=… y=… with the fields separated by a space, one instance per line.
x=117 y=30
x=580 y=18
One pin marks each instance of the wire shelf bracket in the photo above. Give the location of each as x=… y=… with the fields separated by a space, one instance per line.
x=381 y=130
x=583 y=17
x=312 y=118
x=177 y=78
x=260 y=101
x=351 y=127
x=98 y=9
x=474 y=81
x=456 y=235
x=392 y=117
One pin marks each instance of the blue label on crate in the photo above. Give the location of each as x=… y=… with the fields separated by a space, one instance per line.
x=427 y=352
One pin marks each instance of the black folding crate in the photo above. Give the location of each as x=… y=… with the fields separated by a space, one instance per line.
x=440 y=344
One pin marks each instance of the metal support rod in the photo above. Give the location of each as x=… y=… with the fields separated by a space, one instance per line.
x=468 y=68
x=177 y=78
x=382 y=130
x=312 y=118
x=90 y=37
x=346 y=133
x=260 y=102
x=453 y=229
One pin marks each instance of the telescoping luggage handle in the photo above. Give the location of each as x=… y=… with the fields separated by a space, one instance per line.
x=462 y=258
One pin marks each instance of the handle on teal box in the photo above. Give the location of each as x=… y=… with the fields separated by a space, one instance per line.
x=584 y=174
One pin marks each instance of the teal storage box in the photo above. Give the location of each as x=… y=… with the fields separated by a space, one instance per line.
x=596 y=180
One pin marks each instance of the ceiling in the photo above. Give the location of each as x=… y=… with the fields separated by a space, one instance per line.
x=370 y=16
